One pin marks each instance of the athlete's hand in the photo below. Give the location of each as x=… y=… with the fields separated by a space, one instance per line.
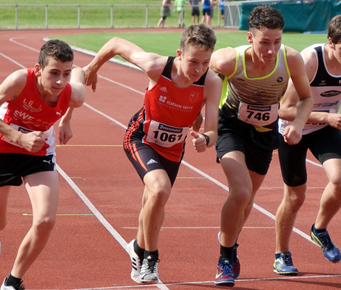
x=292 y=135
x=199 y=141
x=65 y=132
x=32 y=141
x=334 y=120
x=90 y=78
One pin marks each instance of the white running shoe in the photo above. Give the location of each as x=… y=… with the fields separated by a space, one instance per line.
x=135 y=263
x=149 y=273
x=20 y=286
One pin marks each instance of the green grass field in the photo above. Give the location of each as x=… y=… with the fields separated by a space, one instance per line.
x=166 y=43
x=30 y=17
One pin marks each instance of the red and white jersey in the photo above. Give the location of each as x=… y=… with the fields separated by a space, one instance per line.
x=167 y=114
x=28 y=112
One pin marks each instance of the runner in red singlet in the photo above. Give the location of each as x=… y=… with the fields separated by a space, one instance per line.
x=32 y=100
x=155 y=138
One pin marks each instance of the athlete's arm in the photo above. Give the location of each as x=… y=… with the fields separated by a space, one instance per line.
x=10 y=89
x=223 y=61
x=212 y=92
x=77 y=99
x=151 y=63
x=77 y=87
x=299 y=78
x=288 y=108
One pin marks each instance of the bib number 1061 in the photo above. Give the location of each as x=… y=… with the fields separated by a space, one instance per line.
x=165 y=135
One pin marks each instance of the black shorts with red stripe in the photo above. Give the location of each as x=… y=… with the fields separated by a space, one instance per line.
x=145 y=159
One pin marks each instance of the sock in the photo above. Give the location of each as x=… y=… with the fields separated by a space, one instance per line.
x=139 y=251
x=225 y=253
x=12 y=281
x=318 y=231
x=279 y=254
x=154 y=255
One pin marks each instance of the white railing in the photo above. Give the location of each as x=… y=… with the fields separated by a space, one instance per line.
x=145 y=19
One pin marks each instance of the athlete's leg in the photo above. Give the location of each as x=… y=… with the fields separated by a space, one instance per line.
x=4 y=191
x=330 y=202
x=238 y=205
x=286 y=214
x=155 y=196
x=43 y=189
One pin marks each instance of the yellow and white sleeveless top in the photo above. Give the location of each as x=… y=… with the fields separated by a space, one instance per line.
x=255 y=100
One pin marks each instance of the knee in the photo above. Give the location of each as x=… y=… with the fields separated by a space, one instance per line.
x=295 y=197
x=336 y=184
x=159 y=194
x=45 y=225
x=241 y=197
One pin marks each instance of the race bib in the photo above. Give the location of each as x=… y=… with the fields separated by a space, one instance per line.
x=165 y=135
x=257 y=114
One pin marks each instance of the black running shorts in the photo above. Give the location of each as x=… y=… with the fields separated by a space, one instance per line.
x=324 y=144
x=14 y=166
x=235 y=135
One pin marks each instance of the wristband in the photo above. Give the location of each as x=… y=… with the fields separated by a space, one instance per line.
x=207 y=139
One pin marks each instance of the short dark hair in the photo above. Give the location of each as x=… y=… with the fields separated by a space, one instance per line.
x=334 y=29
x=199 y=35
x=57 y=49
x=265 y=16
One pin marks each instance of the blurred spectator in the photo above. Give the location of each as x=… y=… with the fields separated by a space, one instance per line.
x=180 y=8
x=206 y=11
x=195 y=11
x=165 y=12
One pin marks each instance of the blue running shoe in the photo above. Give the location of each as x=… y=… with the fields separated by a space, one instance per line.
x=224 y=274
x=235 y=259
x=284 y=266
x=330 y=251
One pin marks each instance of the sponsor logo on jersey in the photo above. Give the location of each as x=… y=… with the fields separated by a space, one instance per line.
x=30 y=106
x=193 y=97
x=332 y=93
x=162 y=99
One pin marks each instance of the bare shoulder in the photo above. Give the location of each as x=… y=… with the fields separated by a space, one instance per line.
x=13 y=85
x=223 y=61
x=293 y=55
x=212 y=78
x=213 y=86
x=152 y=64
x=295 y=60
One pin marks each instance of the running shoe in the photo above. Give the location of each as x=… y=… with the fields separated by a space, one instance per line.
x=224 y=274
x=235 y=259
x=19 y=286
x=135 y=263
x=149 y=273
x=323 y=240
x=284 y=266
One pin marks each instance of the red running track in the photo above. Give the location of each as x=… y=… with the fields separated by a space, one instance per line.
x=100 y=198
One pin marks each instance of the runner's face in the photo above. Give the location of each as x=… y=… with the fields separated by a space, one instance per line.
x=265 y=43
x=195 y=62
x=336 y=50
x=55 y=76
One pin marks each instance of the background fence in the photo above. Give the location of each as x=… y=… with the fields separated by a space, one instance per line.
x=56 y=16
x=299 y=15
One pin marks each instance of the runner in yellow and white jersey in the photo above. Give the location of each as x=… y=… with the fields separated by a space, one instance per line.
x=255 y=80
